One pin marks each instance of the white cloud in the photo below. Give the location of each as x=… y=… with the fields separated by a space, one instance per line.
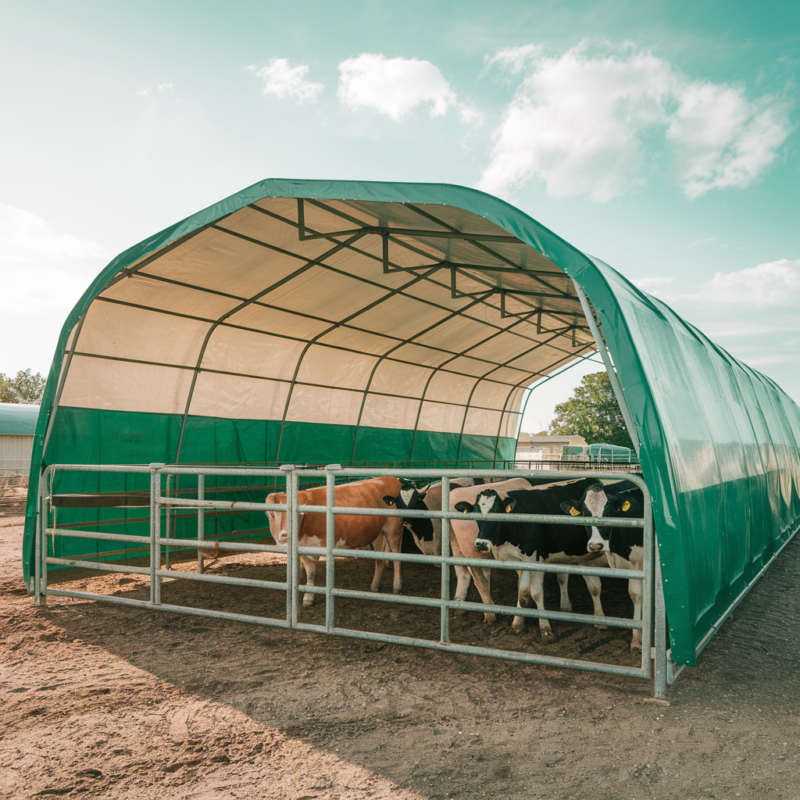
x=24 y=235
x=163 y=87
x=650 y=283
x=144 y=92
x=394 y=86
x=583 y=124
x=773 y=284
x=577 y=123
x=760 y=361
x=722 y=140
x=515 y=59
x=701 y=242
x=283 y=80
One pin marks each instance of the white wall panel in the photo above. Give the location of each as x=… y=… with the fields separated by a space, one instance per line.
x=133 y=333
x=121 y=386
x=389 y=412
x=482 y=423
x=334 y=406
x=441 y=417
x=338 y=368
x=449 y=388
x=250 y=353
x=393 y=377
x=231 y=397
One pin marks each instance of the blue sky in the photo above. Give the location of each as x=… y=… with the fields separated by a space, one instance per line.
x=661 y=137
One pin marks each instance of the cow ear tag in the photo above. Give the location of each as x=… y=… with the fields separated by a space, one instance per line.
x=574 y=512
x=388 y=500
x=508 y=509
x=626 y=505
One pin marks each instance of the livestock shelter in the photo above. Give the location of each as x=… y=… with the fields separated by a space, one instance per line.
x=346 y=322
x=17 y=428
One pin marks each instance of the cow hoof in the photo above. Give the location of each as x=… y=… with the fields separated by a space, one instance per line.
x=636 y=646
x=308 y=600
x=490 y=619
x=517 y=629
x=547 y=634
x=397 y=590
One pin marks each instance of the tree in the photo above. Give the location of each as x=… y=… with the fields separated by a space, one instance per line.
x=592 y=412
x=23 y=388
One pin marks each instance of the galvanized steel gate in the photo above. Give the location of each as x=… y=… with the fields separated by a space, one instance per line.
x=652 y=624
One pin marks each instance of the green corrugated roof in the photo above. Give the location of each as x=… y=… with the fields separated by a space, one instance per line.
x=18 y=420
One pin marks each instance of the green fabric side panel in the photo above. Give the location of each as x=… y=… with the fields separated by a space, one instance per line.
x=88 y=436
x=719 y=450
x=17 y=419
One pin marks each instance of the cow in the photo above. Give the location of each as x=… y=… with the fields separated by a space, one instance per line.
x=351 y=531
x=623 y=547
x=462 y=539
x=426 y=533
x=539 y=541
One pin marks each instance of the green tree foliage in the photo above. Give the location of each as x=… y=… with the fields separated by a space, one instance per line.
x=592 y=412
x=23 y=388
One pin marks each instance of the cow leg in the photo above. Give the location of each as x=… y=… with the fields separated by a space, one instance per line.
x=309 y=564
x=523 y=600
x=462 y=573
x=593 y=584
x=563 y=582
x=394 y=540
x=482 y=583
x=635 y=591
x=379 y=545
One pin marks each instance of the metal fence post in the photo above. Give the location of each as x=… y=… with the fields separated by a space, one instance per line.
x=292 y=567
x=155 y=532
x=445 y=550
x=330 y=540
x=661 y=630
x=201 y=519
x=647 y=586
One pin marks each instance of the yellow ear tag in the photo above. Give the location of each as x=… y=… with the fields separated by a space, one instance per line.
x=465 y=511
x=626 y=505
x=508 y=509
x=574 y=511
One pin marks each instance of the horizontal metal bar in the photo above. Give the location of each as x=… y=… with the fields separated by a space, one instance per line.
x=240 y=547
x=560 y=616
x=554 y=519
x=108 y=537
x=206 y=578
x=238 y=471
x=99 y=468
x=229 y=504
x=196 y=612
x=479 y=563
x=406 y=600
x=104 y=566
x=422 y=233
x=509 y=655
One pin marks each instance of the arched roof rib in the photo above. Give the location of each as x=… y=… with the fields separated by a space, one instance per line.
x=337 y=321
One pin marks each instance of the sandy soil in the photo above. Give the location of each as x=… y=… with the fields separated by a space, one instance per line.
x=103 y=701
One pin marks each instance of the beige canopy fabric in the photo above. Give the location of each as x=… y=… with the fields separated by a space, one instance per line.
x=366 y=314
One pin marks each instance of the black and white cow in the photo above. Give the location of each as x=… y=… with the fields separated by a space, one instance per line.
x=623 y=547
x=537 y=541
x=423 y=532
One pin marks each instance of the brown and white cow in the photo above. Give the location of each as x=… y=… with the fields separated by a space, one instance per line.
x=351 y=531
x=462 y=539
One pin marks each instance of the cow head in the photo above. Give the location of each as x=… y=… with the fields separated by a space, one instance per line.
x=410 y=497
x=277 y=519
x=592 y=504
x=488 y=502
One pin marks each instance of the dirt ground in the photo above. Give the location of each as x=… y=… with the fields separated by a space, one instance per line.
x=106 y=701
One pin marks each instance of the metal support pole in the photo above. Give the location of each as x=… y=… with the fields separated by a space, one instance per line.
x=168 y=518
x=330 y=541
x=201 y=519
x=155 y=533
x=647 y=585
x=445 y=549
x=40 y=579
x=612 y=374
x=292 y=567
x=661 y=632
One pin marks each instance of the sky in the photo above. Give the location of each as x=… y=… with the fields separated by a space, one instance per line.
x=661 y=137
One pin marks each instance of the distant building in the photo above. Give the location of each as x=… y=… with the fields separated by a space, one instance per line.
x=545 y=448
x=17 y=427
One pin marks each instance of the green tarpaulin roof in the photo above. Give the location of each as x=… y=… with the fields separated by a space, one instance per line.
x=334 y=321
x=17 y=419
